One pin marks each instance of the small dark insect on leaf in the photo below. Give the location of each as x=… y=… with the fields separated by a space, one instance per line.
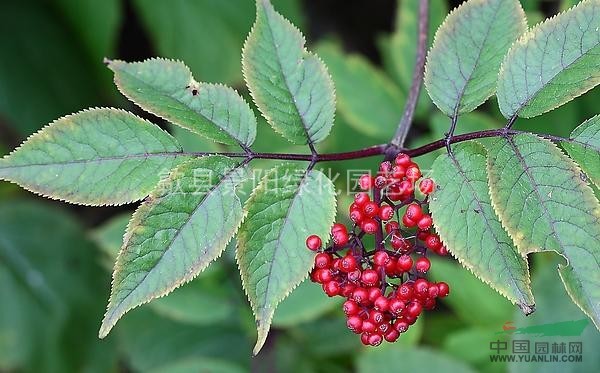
x=194 y=92
x=477 y=211
x=583 y=177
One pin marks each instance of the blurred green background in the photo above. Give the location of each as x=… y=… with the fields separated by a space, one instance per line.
x=56 y=259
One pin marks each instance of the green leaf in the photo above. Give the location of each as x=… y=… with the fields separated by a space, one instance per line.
x=546 y=206
x=288 y=205
x=552 y=64
x=584 y=147
x=462 y=66
x=184 y=225
x=199 y=364
x=470 y=293
x=464 y=218
x=109 y=236
x=95 y=157
x=290 y=85
x=389 y=357
x=367 y=99
x=167 y=89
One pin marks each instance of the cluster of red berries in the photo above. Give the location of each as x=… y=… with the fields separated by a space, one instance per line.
x=385 y=287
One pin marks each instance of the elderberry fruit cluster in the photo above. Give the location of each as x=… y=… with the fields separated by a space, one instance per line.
x=384 y=286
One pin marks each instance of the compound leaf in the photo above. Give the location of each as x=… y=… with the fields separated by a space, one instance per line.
x=462 y=66
x=94 y=157
x=466 y=222
x=546 y=206
x=288 y=205
x=167 y=89
x=584 y=147
x=290 y=86
x=553 y=63
x=185 y=224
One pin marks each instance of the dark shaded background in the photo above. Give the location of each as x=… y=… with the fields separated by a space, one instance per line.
x=55 y=259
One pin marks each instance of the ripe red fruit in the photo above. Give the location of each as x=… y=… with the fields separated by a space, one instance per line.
x=404 y=263
x=403 y=160
x=354 y=276
x=371 y=209
x=442 y=250
x=368 y=326
x=339 y=227
x=386 y=212
x=374 y=293
x=396 y=306
x=405 y=292
x=350 y=307
x=391 y=226
x=413 y=212
x=413 y=173
x=420 y=286
x=313 y=242
x=384 y=327
x=443 y=289
x=324 y=275
x=422 y=264
x=385 y=168
x=331 y=288
x=425 y=222
x=365 y=182
x=347 y=290
x=340 y=238
x=370 y=226
x=391 y=335
x=408 y=223
x=433 y=242
x=369 y=277
x=382 y=303
x=348 y=263
x=405 y=187
x=380 y=182
x=433 y=291
x=398 y=242
x=375 y=339
x=323 y=260
x=354 y=323
x=381 y=258
x=361 y=199
x=414 y=309
x=426 y=186
x=398 y=172
x=401 y=325
x=356 y=216
x=360 y=295
x=376 y=316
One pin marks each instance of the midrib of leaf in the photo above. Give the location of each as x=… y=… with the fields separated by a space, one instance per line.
x=165 y=93
x=287 y=85
x=98 y=160
x=526 y=309
x=468 y=79
x=564 y=67
x=287 y=214
x=183 y=226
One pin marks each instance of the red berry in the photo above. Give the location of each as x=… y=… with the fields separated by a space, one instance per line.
x=370 y=226
x=354 y=323
x=339 y=227
x=340 y=238
x=433 y=242
x=405 y=292
x=404 y=263
x=413 y=173
x=426 y=186
x=360 y=295
x=429 y=303
x=422 y=264
x=433 y=291
x=361 y=199
x=365 y=182
x=385 y=167
x=331 y=288
x=405 y=188
x=408 y=223
x=348 y=263
x=420 y=286
x=442 y=251
x=313 y=242
x=368 y=326
x=386 y=212
x=401 y=325
x=413 y=212
x=414 y=309
x=425 y=222
x=323 y=260
x=398 y=242
x=354 y=276
x=347 y=290
x=398 y=172
x=380 y=182
x=384 y=327
x=443 y=289
x=381 y=258
x=356 y=216
x=392 y=226
x=382 y=303
x=324 y=275
x=376 y=316
x=396 y=306
x=369 y=277
x=403 y=160
x=350 y=308
x=391 y=335
x=375 y=339
x=374 y=293
x=371 y=209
